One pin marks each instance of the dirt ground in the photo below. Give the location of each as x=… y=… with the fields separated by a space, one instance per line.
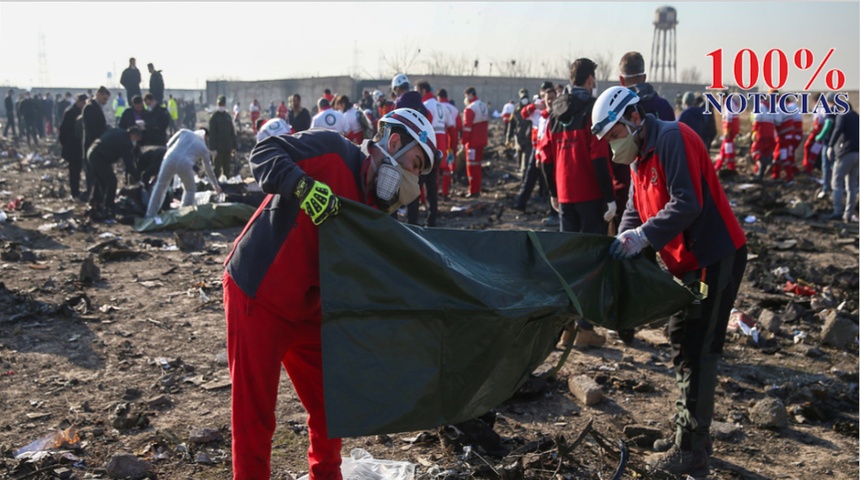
x=134 y=362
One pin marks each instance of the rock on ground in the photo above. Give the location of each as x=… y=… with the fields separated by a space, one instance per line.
x=769 y=413
x=128 y=466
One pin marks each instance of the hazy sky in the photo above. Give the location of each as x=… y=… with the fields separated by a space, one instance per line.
x=195 y=42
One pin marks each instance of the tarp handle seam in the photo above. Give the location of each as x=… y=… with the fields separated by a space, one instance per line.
x=572 y=296
x=539 y=249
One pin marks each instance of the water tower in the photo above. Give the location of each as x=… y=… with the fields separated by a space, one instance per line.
x=664 y=46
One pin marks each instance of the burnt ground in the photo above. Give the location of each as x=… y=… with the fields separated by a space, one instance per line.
x=134 y=360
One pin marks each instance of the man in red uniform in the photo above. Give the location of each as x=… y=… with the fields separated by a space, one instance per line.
x=763 y=139
x=586 y=198
x=475 y=121
x=452 y=131
x=783 y=151
x=383 y=106
x=731 y=129
x=678 y=206
x=812 y=148
x=271 y=282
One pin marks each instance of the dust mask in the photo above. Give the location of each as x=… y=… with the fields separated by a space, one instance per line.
x=594 y=90
x=624 y=150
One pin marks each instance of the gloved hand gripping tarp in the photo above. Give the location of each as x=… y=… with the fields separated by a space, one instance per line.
x=427 y=327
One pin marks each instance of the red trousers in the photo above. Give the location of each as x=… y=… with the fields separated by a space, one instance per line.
x=727 y=154
x=473 y=167
x=254 y=117
x=811 y=152
x=258 y=342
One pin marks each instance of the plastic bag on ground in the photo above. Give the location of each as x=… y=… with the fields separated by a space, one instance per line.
x=360 y=465
x=67 y=438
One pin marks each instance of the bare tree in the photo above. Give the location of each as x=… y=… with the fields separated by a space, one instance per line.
x=403 y=58
x=513 y=67
x=691 y=75
x=443 y=63
x=605 y=65
x=438 y=63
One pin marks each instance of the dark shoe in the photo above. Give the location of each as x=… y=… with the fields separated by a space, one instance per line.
x=626 y=336
x=664 y=444
x=518 y=207
x=679 y=462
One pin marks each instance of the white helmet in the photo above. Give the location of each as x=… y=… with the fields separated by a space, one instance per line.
x=377 y=94
x=419 y=128
x=398 y=80
x=609 y=109
x=273 y=127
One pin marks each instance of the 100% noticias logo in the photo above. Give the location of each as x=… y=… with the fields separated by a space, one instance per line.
x=774 y=69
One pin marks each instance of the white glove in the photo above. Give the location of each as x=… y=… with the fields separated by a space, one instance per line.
x=554 y=202
x=628 y=244
x=611 y=209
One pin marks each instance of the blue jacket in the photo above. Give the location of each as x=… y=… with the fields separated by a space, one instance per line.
x=695 y=119
x=843 y=139
x=653 y=103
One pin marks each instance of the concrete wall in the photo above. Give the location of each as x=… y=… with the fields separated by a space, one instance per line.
x=267 y=91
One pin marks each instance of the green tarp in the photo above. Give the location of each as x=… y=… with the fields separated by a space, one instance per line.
x=199 y=217
x=427 y=327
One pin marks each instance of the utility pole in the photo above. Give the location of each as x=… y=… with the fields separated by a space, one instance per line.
x=355 y=53
x=44 y=78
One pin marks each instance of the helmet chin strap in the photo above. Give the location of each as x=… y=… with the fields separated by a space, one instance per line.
x=632 y=128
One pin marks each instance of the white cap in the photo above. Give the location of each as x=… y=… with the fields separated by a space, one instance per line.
x=275 y=126
x=201 y=133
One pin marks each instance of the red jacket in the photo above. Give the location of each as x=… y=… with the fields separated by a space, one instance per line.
x=582 y=171
x=282 y=111
x=763 y=133
x=276 y=257
x=731 y=127
x=678 y=200
x=382 y=110
x=542 y=147
x=476 y=119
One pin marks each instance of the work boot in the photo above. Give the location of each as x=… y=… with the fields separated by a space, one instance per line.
x=588 y=338
x=566 y=338
x=664 y=444
x=679 y=462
